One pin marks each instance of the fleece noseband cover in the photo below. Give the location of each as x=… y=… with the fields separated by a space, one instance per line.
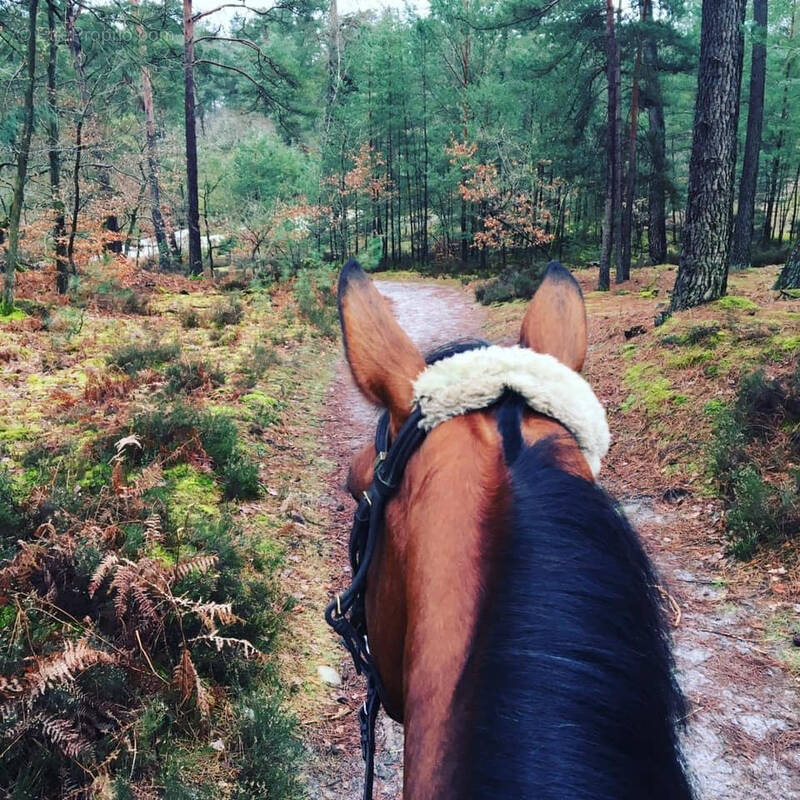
x=475 y=379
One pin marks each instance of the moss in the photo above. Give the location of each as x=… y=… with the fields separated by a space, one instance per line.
x=786 y=344
x=265 y=409
x=648 y=293
x=96 y=477
x=17 y=432
x=190 y=495
x=713 y=408
x=629 y=351
x=737 y=303
x=12 y=315
x=649 y=391
x=690 y=358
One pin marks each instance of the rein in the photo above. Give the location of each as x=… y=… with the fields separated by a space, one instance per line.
x=346 y=612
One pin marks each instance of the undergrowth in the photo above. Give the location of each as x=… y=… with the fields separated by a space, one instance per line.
x=316 y=299
x=136 y=356
x=137 y=616
x=517 y=283
x=755 y=437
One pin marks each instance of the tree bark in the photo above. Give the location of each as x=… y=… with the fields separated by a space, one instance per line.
x=743 y=226
x=612 y=152
x=23 y=153
x=59 y=230
x=630 y=178
x=703 y=268
x=620 y=275
x=772 y=186
x=790 y=274
x=193 y=205
x=656 y=204
x=151 y=148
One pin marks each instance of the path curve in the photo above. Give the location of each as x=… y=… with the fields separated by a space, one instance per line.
x=753 y=697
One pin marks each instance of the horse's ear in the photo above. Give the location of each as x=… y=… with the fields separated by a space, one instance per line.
x=382 y=358
x=555 y=322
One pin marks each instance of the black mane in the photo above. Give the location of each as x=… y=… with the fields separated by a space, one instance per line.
x=573 y=693
x=454 y=347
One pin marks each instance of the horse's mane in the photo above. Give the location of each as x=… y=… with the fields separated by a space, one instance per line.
x=572 y=694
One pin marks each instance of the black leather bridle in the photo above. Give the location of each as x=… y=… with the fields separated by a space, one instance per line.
x=346 y=612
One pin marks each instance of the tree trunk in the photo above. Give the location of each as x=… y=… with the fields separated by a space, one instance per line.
x=151 y=148
x=790 y=274
x=703 y=268
x=59 y=231
x=743 y=227
x=612 y=153
x=657 y=137
x=110 y=222
x=617 y=210
x=22 y=164
x=630 y=180
x=193 y=205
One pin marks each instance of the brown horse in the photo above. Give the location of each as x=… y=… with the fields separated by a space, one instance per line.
x=511 y=612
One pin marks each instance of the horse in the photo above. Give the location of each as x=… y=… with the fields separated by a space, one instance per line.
x=514 y=618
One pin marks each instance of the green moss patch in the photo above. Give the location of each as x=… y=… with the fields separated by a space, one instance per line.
x=190 y=494
x=649 y=391
x=737 y=303
x=12 y=315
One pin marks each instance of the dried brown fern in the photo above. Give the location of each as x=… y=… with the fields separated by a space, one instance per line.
x=55 y=670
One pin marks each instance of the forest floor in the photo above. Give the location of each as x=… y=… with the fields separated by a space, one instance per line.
x=732 y=622
x=288 y=391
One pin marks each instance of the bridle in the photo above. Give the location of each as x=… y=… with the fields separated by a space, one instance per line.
x=346 y=612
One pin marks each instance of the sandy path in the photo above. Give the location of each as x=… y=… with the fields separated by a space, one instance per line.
x=743 y=741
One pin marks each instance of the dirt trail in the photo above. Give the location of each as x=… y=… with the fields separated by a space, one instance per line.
x=743 y=734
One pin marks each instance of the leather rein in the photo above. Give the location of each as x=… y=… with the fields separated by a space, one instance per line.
x=346 y=612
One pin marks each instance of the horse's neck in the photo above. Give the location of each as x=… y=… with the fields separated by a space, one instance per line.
x=451 y=524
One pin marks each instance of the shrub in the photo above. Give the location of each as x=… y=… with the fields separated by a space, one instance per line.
x=236 y=284
x=110 y=296
x=189 y=318
x=760 y=404
x=240 y=477
x=136 y=356
x=511 y=284
x=257 y=362
x=270 y=750
x=189 y=376
x=71 y=700
x=316 y=299
x=227 y=312
x=759 y=512
x=10 y=515
x=755 y=513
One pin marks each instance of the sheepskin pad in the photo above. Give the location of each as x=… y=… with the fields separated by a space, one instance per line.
x=475 y=379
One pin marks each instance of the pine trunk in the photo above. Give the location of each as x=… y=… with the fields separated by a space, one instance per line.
x=23 y=154
x=620 y=275
x=790 y=274
x=151 y=148
x=743 y=227
x=703 y=269
x=630 y=179
x=193 y=205
x=59 y=230
x=656 y=205
x=612 y=152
